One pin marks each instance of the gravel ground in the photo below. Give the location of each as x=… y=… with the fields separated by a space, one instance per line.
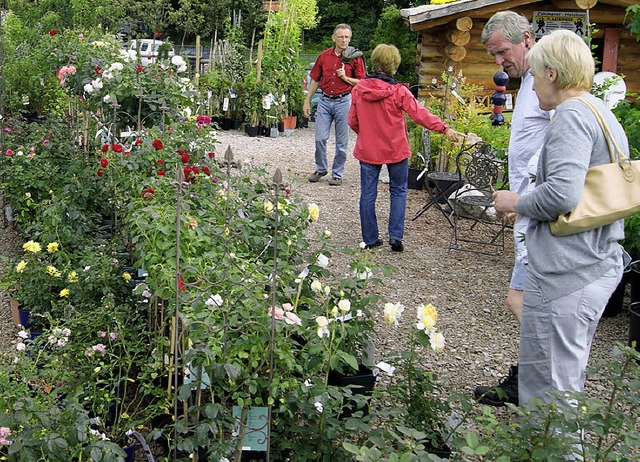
x=467 y=288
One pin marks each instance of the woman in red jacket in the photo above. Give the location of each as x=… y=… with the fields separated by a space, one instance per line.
x=379 y=103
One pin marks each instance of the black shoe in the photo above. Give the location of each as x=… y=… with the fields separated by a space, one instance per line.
x=396 y=246
x=505 y=392
x=378 y=243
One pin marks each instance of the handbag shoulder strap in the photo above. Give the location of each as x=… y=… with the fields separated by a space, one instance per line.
x=605 y=128
x=623 y=161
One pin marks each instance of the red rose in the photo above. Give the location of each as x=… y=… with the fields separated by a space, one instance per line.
x=157 y=144
x=104 y=163
x=104 y=148
x=212 y=155
x=205 y=169
x=53 y=32
x=137 y=142
x=116 y=147
x=148 y=193
x=139 y=68
x=161 y=173
x=98 y=70
x=181 y=285
x=99 y=172
x=160 y=162
x=184 y=157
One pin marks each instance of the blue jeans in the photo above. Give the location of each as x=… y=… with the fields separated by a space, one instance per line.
x=332 y=110
x=369 y=175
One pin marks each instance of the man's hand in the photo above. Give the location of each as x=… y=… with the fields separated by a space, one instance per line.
x=340 y=72
x=505 y=202
x=306 y=108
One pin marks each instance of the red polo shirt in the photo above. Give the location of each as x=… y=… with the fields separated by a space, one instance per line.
x=324 y=72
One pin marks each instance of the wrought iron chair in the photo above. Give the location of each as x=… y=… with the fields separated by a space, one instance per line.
x=438 y=184
x=475 y=225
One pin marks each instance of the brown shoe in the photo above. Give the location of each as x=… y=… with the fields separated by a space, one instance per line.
x=315 y=176
x=335 y=181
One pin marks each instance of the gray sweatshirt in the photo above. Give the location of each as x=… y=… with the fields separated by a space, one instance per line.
x=573 y=143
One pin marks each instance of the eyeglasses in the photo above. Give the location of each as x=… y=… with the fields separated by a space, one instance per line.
x=343 y=37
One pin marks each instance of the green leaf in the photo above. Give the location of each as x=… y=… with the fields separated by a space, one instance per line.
x=352 y=448
x=350 y=360
x=472 y=439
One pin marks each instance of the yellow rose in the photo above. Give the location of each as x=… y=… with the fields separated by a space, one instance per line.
x=53 y=271
x=267 y=206
x=126 y=277
x=32 y=246
x=437 y=341
x=53 y=247
x=64 y=293
x=21 y=266
x=314 y=211
x=73 y=277
x=427 y=317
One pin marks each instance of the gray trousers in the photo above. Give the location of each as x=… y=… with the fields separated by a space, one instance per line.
x=556 y=336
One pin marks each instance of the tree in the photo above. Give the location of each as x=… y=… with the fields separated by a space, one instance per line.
x=190 y=18
x=63 y=14
x=155 y=13
x=362 y=16
x=391 y=29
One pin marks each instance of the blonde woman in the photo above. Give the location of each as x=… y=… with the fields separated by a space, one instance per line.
x=377 y=115
x=569 y=279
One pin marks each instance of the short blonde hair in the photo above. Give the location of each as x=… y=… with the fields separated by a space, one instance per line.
x=568 y=54
x=385 y=58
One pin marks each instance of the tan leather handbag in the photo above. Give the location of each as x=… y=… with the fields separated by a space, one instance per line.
x=611 y=191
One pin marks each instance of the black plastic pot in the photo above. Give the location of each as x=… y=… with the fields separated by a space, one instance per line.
x=412 y=179
x=252 y=131
x=227 y=123
x=634 y=279
x=616 y=301
x=634 y=324
x=361 y=383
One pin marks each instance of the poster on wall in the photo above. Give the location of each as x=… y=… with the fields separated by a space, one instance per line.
x=545 y=22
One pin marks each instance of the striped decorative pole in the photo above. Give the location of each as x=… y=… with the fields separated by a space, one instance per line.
x=501 y=79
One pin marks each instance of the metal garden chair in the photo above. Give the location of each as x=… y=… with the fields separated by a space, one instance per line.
x=475 y=225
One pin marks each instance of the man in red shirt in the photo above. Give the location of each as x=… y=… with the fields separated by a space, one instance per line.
x=336 y=78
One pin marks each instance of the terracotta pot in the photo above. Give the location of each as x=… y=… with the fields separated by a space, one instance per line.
x=290 y=122
x=20 y=316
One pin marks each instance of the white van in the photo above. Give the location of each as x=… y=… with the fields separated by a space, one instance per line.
x=148 y=49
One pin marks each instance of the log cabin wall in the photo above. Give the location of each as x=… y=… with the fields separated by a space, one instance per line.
x=455 y=41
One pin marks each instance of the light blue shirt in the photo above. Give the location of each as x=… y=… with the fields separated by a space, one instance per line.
x=529 y=126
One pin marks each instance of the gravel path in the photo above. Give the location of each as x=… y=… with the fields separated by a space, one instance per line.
x=467 y=288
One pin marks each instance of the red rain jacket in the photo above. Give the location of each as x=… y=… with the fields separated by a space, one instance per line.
x=377 y=115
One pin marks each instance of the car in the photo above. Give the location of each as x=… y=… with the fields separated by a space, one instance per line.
x=130 y=29
x=149 y=49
